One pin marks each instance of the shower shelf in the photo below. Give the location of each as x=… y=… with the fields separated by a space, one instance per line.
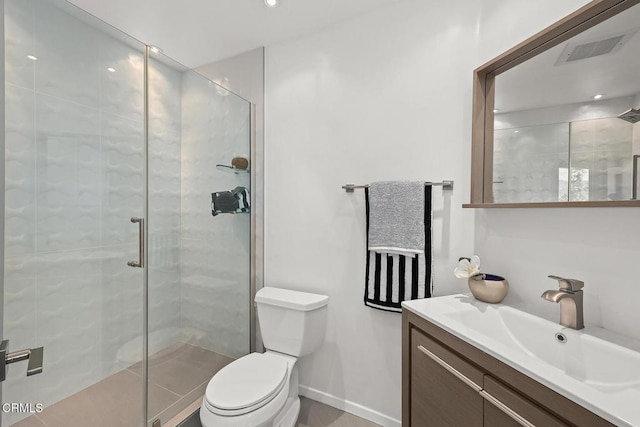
x=232 y=169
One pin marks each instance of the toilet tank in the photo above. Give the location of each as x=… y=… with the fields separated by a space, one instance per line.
x=291 y=322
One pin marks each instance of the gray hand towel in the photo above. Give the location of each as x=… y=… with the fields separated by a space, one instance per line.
x=396 y=217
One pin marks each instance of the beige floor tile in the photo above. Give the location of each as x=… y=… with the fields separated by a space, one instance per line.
x=31 y=421
x=176 y=376
x=180 y=377
x=312 y=414
x=201 y=357
x=316 y=414
x=183 y=368
x=160 y=356
x=115 y=401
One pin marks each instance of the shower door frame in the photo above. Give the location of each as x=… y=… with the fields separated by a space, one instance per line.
x=145 y=254
x=2 y=184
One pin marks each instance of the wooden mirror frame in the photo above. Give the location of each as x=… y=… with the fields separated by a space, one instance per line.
x=484 y=97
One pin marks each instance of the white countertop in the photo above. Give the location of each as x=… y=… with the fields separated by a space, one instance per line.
x=604 y=378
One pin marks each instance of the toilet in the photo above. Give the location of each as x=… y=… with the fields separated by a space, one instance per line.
x=261 y=389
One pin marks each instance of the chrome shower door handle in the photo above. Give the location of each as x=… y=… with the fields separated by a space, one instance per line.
x=140 y=262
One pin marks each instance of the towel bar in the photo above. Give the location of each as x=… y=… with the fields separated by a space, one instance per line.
x=446 y=185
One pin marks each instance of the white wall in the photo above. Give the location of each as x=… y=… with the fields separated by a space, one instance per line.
x=593 y=245
x=388 y=96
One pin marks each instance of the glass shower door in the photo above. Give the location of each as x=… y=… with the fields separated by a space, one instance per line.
x=199 y=264
x=75 y=175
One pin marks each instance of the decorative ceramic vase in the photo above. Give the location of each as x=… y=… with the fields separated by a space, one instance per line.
x=488 y=287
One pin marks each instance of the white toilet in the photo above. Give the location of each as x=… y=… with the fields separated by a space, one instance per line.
x=261 y=389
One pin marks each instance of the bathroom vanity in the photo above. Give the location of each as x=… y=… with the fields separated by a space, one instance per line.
x=468 y=363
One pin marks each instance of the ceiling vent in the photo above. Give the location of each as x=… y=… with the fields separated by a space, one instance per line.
x=631 y=116
x=579 y=50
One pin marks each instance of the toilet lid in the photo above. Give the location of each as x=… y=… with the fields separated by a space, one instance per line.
x=247 y=383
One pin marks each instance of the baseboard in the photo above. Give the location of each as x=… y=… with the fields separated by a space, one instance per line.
x=347 y=406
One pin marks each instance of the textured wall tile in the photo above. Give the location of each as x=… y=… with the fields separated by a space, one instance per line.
x=121 y=314
x=122 y=158
x=121 y=74
x=19 y=42
x=68 y=56
x=75 y=176
x=526 y=163
x=20 y=184
x=164 y=203
x=215 y=250
x=68 y=175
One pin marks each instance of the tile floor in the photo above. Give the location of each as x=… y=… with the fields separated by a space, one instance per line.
x=177 y=376
x=312 y=414
x=316 y=414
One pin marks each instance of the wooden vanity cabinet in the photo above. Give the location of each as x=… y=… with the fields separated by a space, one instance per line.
x=447 y=382
x=529 y=411
x=438 y=393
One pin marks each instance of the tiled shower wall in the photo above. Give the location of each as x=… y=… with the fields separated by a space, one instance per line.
x=165 y=123
x=73 y=153
x=527 y=161
x=215 y=259
x=75 y=177
x=603 y=147
x=74 y=161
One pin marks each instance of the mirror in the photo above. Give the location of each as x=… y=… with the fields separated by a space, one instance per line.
x=557 y=118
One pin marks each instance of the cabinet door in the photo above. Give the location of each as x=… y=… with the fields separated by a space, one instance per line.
x=506 y=408
x=444 y=388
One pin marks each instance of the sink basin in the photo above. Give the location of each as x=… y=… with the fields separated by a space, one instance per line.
x=601 y=374
x=574 y=353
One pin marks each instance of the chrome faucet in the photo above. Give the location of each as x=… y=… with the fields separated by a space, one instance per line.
x=570 y=298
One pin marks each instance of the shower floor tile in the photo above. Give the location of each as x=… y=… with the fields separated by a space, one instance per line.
x=29 y=422
x=176 y=374
x=183 y=367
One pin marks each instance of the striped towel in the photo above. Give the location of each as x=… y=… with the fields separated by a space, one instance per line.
x=237 y=200
x=392 y=278
x=244 y=199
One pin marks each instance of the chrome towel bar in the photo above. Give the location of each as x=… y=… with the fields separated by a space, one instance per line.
x=446 y=185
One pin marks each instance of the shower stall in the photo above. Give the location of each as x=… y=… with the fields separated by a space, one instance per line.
x=113 y=261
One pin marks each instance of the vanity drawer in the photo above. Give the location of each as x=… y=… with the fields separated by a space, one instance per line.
x=501 y=400
x=444 y=387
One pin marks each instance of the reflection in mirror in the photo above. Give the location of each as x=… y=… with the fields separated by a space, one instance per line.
x=567 y=121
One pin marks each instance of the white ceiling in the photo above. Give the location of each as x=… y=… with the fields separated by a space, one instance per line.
x=197 y=32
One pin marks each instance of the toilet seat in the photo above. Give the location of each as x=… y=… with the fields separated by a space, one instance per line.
x=246 y=384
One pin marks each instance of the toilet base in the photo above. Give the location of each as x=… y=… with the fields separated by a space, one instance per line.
x=289 y=414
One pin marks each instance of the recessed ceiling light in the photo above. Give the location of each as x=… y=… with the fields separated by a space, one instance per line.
x=516 y=131
x=495 y=110
x=598 y=96
x=155 y=49
x=271 y=3
x=33 y=58
x=111 y=70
